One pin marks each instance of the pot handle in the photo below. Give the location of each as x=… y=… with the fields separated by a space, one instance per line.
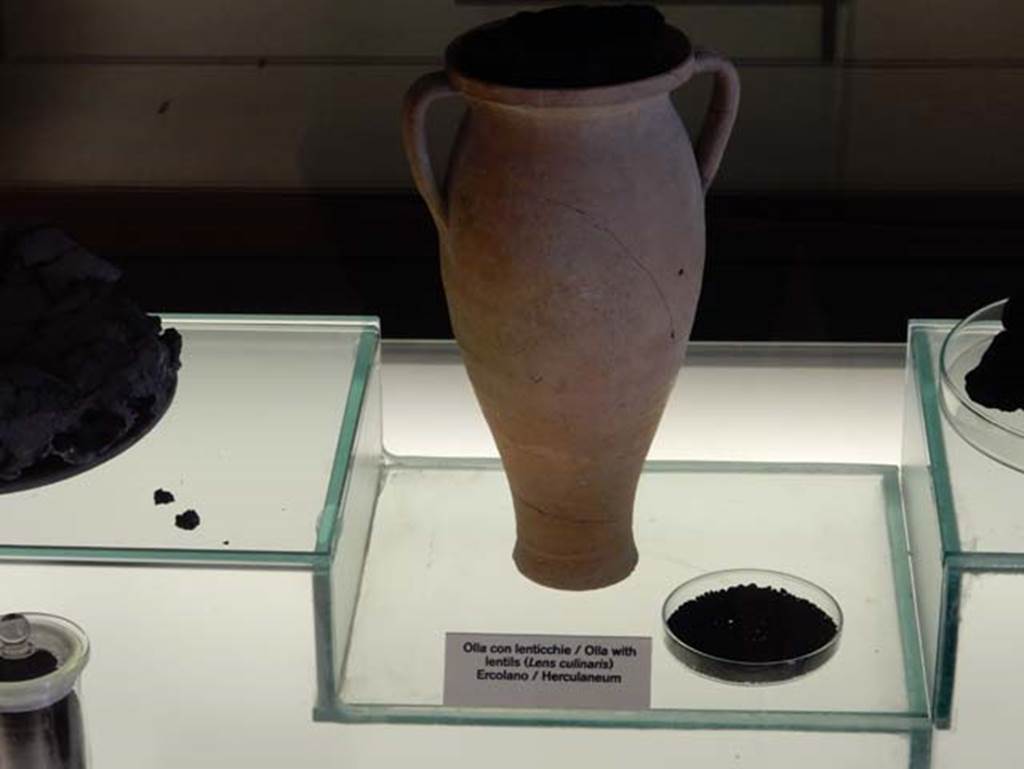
x=718 y=123
x=418 y=99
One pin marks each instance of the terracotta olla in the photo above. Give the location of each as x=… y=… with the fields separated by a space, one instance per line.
x=572 y=248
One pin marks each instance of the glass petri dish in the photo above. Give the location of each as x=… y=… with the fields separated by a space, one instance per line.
x=997 y=434
x=743 y=671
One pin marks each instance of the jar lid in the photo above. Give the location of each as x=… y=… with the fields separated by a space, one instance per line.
x=41 y=658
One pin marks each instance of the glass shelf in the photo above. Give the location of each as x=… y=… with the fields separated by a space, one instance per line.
x=215 y=669
x=257 y=441
x=428 y=550
x=963 y=511
x=403 y=549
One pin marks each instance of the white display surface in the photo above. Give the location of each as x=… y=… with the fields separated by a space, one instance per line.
x=771 y=403
x=215 y=668
x=440 y=561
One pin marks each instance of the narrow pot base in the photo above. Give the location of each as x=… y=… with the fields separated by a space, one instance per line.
x=595 y=571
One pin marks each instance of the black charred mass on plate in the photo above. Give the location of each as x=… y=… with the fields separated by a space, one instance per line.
x=82 y=368
x=998 y=380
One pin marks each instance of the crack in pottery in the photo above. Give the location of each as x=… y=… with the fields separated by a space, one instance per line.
x=592 y=222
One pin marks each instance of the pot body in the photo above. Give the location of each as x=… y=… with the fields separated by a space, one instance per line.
x=572 y=253
x=572 y=266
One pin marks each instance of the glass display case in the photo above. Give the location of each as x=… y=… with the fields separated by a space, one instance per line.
x=257 y=441
x=261 y=576
x=961 y=491
x=421 y=548
x=424 y=549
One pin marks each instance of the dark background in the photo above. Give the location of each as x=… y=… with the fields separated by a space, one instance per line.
x=779 y=266
x=245 y=156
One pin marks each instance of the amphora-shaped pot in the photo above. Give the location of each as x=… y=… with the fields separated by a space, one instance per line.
x=571 y=232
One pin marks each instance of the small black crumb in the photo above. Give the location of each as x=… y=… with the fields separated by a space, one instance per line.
x=227 y=542
x=162 y=497
x=164 y=106
x=681 y=271
x=187 y=520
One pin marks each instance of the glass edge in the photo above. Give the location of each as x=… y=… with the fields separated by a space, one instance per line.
x=932 y=417
x=768 y=720
x=366 y=358
x=96 y=556
x=946 y=648
x=914 y=676
x=987 y=562
x=875 y=354
x=937 y=323
x=353 y=321
x=399 y=461
x=326 y=681
x=921 y=749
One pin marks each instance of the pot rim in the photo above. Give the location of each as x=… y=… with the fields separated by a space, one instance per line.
x=587 y=96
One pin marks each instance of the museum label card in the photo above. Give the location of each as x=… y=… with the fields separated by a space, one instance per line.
x=547 y=671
